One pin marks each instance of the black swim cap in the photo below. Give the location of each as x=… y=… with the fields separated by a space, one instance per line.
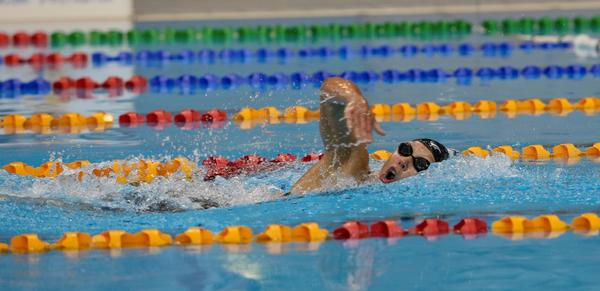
x=439 y=151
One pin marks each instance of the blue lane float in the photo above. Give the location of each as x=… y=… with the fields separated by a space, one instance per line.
x=463 y=76
x=487 y=49
x=13 y=88
x=297 y=80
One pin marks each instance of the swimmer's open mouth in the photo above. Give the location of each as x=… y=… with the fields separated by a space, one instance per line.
x=389 y=175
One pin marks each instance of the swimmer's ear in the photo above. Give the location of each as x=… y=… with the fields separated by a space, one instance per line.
x=377 y=127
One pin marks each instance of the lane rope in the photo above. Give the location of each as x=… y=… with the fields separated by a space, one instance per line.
x=186 y=84
x=248 y=117
x=548 y=226
x=157 y=58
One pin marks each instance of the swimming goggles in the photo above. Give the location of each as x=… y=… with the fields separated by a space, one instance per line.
x=405 y=149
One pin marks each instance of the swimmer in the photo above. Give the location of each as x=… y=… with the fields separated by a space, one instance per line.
x=346 y=127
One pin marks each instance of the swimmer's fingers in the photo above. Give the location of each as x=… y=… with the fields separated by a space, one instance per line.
x=349 y=116
x=377 y=126
x=367 y=125
x=363 y=128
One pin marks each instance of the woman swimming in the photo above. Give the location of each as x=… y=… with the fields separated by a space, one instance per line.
x=346 y=127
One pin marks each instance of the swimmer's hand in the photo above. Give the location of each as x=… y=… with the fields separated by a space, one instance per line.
x=361 y=121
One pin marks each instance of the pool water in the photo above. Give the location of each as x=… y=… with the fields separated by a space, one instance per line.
x=488 y=188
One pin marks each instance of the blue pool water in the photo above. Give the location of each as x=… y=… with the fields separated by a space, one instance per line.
x=464 y=186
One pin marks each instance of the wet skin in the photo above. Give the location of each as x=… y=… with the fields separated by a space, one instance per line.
x=346 y=125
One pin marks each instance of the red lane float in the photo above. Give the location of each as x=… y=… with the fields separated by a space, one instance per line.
x=131 y=119
x=351 y=230
x=136 y=83
x=4 y=40
x=20 y=39
x=430 y=227
x=214 y=115
x=387 y=228
x=39 y=39
x=55 y=60
x=158 y=119
x=186 y=116
x=470 y=226
x=86 y=83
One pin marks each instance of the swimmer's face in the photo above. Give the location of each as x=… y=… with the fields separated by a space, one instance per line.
x=401 y=166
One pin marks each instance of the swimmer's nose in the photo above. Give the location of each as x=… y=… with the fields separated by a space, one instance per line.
x=388 y=176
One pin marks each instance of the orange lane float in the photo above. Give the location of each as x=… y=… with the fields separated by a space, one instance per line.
x=28 y=243
x=594 y=150
x=235 y=235
x=146 y=238
x=545 y=223
x=110 y=239
x=535 y=152
x=381 y=155
x=73 y=241
x=309 y=231
x=195 y=236
x=275 y=233
x=507 y=151
x=586 y=222
x=510 y=224
x=4 y=248
x=477 y=151
x=567 y=150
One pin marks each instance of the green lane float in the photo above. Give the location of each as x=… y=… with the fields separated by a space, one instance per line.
x=542 y=26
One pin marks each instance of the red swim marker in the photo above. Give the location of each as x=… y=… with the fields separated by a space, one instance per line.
x=351 y=230
x=4 y=40
x=137 y=84
x=63 y=84
x=187 y=115
x=12 y=60
x=214 y=115
x=20 y=39
x=430 y=227
x=158 y=117
x=39 y=39
x=470 y=226
x=37 y=60
x=113 y=83
x=131 y=119
x=387 y=228
x=86 y=83
x=78 y=60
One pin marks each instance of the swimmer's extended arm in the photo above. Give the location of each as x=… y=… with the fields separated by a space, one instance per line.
x=346 y=125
